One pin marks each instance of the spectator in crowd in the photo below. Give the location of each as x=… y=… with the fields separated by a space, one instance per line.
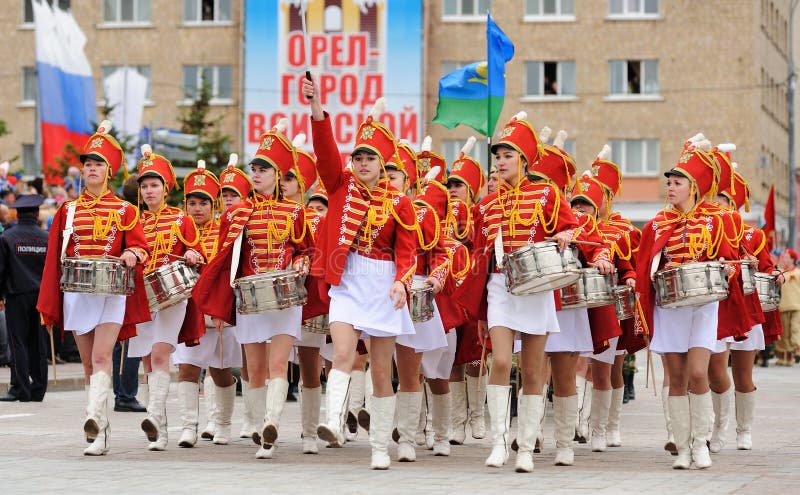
x=786 y=347
x=5 y=183
x=22 y=255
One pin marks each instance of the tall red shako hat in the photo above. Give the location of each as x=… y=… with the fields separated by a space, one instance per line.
x=518 y=134
x=589 y=190
x=405 y=160
x=555 y=165
x=306 y=169
x=102 y=146
x=607 y=173
x=427 y=159
x=275 y=150
x=722 y=156
x=155 y=165
x=741 y=196
x=201 y=182
x=698 y=165
x=374 y=137
x=235 y=179
x=467 y=170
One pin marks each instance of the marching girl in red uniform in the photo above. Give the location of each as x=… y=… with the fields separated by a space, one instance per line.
x=465 y=183
x=623 y=238
x=96 y=225
x=274 y=236
x=201 y=189
x=520 y=213
x=369 y=256
x=689 y=230
x=293 y=187
x=171 y=234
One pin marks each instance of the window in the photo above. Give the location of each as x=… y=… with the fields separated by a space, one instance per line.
x=633 y=77
x=452 y=147
x=144 y=70
x=206 y=10
x=124 y=11
x=27 y=8
x=549 y=8
x=635 y=157
x=30 y=91
x=449 y=67
x=218 y=77
x=465 y=8
x=550 y=78
x=633 y=8
x=29 y=159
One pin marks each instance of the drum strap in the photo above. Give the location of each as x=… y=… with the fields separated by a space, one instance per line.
x=654 y=265
x=498 y=247
x=237 y=251
x=68 y=229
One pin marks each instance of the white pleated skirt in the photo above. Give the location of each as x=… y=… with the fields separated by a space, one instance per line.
x=261 y=327
x=206 y=353
x=429 y=335
x=680 y=329
x=438 y=363
x=362 y=298
x=310 y=339
x=163 y=328
x=608 y=355
x=83 y=312
x=575 y=334
x=533 y=314
x=753 y=342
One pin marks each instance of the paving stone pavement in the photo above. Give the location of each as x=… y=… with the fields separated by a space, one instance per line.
x=41 y=445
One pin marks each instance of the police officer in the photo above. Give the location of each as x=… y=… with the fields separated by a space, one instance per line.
x=22 y=255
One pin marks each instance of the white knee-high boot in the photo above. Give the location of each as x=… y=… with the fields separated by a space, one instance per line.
x=335 y=408
x=440 y=405
x=584 y=413
x=601 y=403
x=722 y=403
x=408 y=406
x=613 y=435
x=380 y=430
x=274 y=403
x=669 y=446
x=681 y=429
x=700 y=408
x=745 y=408
x=209 y=394
x=458 y=412
x=248 y=425
x=355 y=403
x=565 y=413
x=155 y=424
x=224 y=397
x=188 y=405
x=96 y=424
x=499 y=400
x=528 y=423
x=310 y=400
x=363 y=414
x=476 y=399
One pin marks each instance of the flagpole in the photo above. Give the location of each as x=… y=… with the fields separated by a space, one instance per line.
x=489 y=132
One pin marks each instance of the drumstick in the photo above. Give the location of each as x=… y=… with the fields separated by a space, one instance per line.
x=480 y=368
x=183 y=258
x=516 y=385
x=220 y=349
x=52 y=350
x=736 y=262
x=121 y=356
x=575 y=241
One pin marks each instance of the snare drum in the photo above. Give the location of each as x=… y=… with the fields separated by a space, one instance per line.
x=421 y=301
x=318 y=324
x=692 y=284
x=592 y=290
x=769 y=292
x=624 y=301
x=748 y=279
x=169 y=285
x=271 y=291
x=540 y=267
x=96 y=276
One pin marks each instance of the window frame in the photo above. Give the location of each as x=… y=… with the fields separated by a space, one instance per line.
x=541 y=97
x=215 y=99
x=148 y=101
x=199 y=20
x=638 y=15
x=119 y=23
x=560 y=16
x=28 y=102
x=641 y=95
x=26 y=24
x=28 y=166
x=620 y=145
x=478 y=16
x=450 y=149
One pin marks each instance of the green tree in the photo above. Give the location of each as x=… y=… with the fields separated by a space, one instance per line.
x=214 y=146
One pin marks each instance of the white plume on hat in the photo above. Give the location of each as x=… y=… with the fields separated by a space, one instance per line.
x=378 y=107
x=735 y=165
x=147 y=150
x=703 y=145
x=299 y=140
x=282 y=124
x=561 y=138
x=545 y=133
x=426 y=144
x=521 y=115
x=104 y=127
x=233 y=160
x=468 y=145
x=605 y=153
x=201 y=164
x=726 y=147
x=432 y=173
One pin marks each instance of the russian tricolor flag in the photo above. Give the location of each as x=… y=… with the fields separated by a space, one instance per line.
x=66 y=89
